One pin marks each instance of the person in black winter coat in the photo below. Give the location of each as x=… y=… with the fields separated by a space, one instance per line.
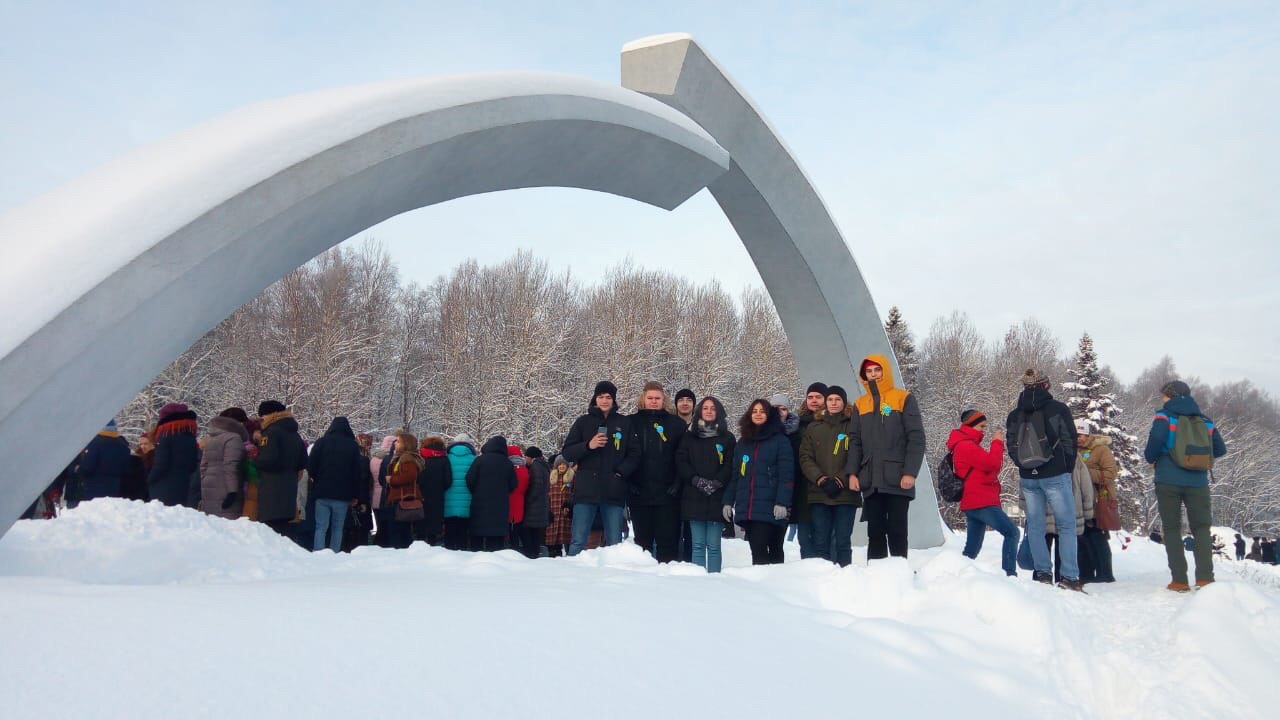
x=435 y=478
x=606 y=454
x=491 y=479
x=104 y=464
x=177 y=457
x=655 y=486
x=704 y=463
x=537 y=503
x=282 y=456
x=339 y=477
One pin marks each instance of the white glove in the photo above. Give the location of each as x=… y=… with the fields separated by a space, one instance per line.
x=727 y=511
x=779 y=512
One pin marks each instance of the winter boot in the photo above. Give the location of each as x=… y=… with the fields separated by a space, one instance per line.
x=1075 y=585
x=1042 y=577
x=1202 y=583
x=1178 y=587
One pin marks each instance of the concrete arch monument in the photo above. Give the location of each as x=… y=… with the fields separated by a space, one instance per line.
x=121 y=270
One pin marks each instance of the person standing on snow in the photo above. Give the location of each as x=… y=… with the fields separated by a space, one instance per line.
x=654 y=486
x=221 y=466
x=515 y=512
x=815 y=400
x=601 y=445
x=537 y=509
x=1042 y=445
x=403 y=469
x=1240 y=546
x=339 y=473
x=560 y=503
x=886 y=451
x=980 y=503
x=824 y=452
x=282 y=457
x=103 y=464
x=177 y=455
x=1182 y=479
x=433 y=483
x=457 y=499
x=491 y=479
x=704 y=462
x=763 y=482
x=1095 y=451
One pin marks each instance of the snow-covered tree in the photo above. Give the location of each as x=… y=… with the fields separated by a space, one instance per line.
x=1089 y=399
x=904 y=347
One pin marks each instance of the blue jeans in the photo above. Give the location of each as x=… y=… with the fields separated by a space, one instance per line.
x=992 y=517
x=584 y=514
x=331 y=515
x=832 y=532
x=1055 y=492
x=705 y=535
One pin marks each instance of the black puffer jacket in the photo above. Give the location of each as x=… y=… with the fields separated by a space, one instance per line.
x=282 y=454
x=436 y=477
x=491 y=479
x=339 y=471
x=537 y=504
x=602 y=473
x=708 y=456
x=658 y=434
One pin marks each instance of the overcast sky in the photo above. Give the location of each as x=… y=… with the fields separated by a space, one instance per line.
x=1109 y=167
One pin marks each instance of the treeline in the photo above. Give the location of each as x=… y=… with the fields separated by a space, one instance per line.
x=514 y=348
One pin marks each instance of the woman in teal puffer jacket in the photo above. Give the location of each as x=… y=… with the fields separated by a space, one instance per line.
x=457 y=499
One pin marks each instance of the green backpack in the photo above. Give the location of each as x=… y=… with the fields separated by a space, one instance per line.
x=1191 y=442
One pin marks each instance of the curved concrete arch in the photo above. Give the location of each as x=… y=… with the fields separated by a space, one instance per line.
x=822 y=300
x=137 y=260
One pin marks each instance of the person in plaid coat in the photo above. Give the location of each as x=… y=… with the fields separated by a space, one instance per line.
x=561 y=504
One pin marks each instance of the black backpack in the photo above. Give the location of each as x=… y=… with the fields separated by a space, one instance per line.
x=1031 y=446
x=950 y=485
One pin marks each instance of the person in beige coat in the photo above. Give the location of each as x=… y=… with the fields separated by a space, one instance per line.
x=220 y=463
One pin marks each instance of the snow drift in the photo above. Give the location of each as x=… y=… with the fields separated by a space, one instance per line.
x=123 y=609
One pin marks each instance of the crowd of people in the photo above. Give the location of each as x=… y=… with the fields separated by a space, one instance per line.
x=677 y=476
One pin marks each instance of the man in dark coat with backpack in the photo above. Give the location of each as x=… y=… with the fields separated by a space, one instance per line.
x=1182 y=445
x=1042 y=443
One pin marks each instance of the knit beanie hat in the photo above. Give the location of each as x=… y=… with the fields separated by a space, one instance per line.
x=837 y=390
x=604 y=387
x=780 y=399
x=817 y=387
x=533 y=451
x=170 y=409
x=1032 y=378
x=266 y=407
x=110 y=426
x=1082 y=426
x=235 y=413
x=1175 y=388
x=686 y=393
x=972 y=418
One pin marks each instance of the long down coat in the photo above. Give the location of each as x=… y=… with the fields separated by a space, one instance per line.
x=491 y=479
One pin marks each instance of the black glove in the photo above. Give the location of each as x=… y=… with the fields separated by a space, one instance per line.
x=705 y=486
x=673 y=490
x=831 y=487
x=230 y=500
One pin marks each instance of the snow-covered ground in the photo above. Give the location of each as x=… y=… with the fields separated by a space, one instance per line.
x=120 y=609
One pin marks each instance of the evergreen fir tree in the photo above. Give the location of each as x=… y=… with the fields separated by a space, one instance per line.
x=1088 y=399
x=904 y=347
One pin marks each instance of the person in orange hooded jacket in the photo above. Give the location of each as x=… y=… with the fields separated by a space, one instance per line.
x=981 y=501
x=886 y=450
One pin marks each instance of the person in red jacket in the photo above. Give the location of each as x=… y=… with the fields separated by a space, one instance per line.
x=516 y=498
x=981 y=501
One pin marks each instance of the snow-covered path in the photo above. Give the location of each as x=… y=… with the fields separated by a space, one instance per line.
x=121 y=609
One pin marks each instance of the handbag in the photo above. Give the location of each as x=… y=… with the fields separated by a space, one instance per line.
x=1024 y=554
x=1106 y=511
x=410 y=510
